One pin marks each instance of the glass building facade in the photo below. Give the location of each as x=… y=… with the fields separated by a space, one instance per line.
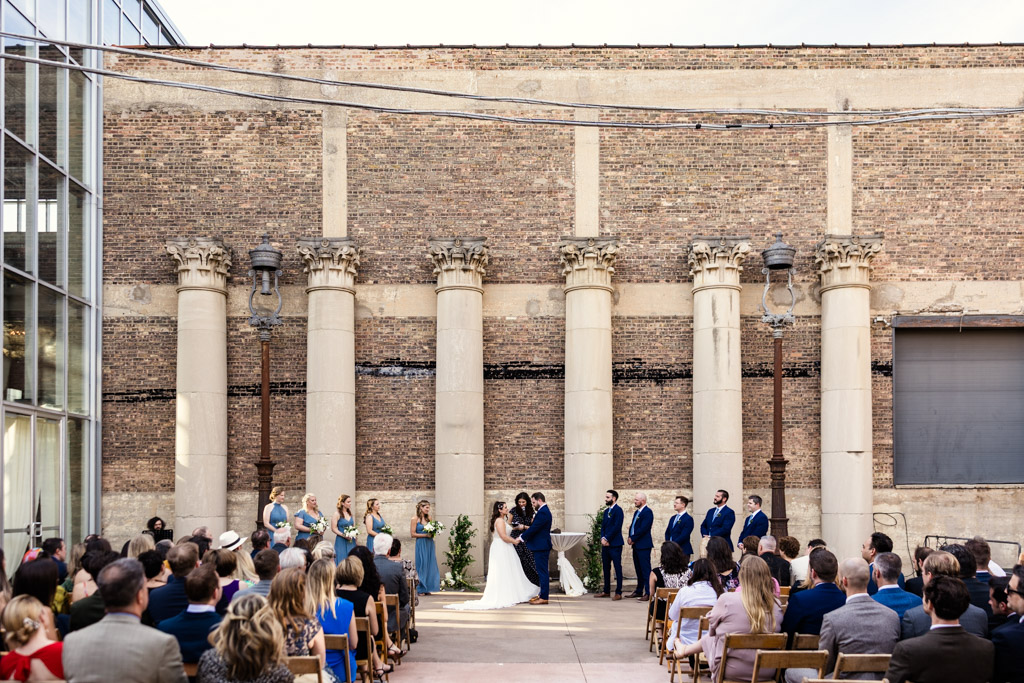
x=50 y=241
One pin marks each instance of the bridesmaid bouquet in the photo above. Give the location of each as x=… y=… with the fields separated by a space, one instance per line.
x=433 y=528
x=350 y=532
x=386 y=529
x=319 y=527
x=283 y=525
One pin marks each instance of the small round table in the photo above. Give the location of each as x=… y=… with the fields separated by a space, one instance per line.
x=570 y=582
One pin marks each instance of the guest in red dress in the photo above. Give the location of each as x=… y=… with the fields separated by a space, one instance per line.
x=33 y=656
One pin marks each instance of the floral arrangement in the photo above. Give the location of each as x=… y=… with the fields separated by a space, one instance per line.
x=457 y=556
x=319 y=527
x=455 y=581
x=283 y=525
x=433 y=528
x=386 y=529
x=592 y=553
x=350 y=532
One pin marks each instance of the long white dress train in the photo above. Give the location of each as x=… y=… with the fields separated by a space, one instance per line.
x=507 y=585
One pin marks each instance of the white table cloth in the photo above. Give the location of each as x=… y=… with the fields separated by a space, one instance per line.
x=570 y=582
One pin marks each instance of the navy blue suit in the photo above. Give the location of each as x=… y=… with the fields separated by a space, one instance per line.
x=168 y=601
x=755 y=525
x=192 y=630
x=640 y=535
x=679 y=532
x=1009 y=643
x=538 y=540
x=897 y=599
x=721 y=526
x=807 y=608
x=611 y=554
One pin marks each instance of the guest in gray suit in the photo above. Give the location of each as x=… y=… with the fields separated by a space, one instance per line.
x=861 y=627
x=119 y=648
x=392 y=576
x=917 y=622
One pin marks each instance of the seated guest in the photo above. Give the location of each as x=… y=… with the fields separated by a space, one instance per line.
x=193 y=626
x=946 y=652
x=56 y=550
x=153 y=565
x=138 y=545
x=303 y=635
x=85 y=585
x=806 y=609
x=916 y=621
x=999 y=601
x=119 y=648
x=968 y=574
x=293 y=557
x=800 y=567
x=348 y=576
x=671 y=574
x=38 y=578
x=170 y=601
x=860 y=627
x=267 y=564
x=224 y=563
x=324 y=550
x=282 y=539
x=335 y=614
x=876 y=543
x=982 y=552
x=916 y=584
x=33 y=656
x=392 y=577
x=789 y=549
x=248 y=646
x=778 y=566
x=748 y=545
x=701 y=590
x=755 y=609
x=91 y=609
x=887 y=572
x=260 y=540
x=1008 y=639
x=373 y=587
x=720 y=554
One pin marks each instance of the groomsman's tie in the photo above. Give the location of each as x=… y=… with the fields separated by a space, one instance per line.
x=633 y=523
x=717 y=510
x=676 y=520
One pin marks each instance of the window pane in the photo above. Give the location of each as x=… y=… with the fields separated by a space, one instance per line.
x=79 y=18
x=29 y=8
x=77 y=479
x=48 y=489
x=19 y=84
x=78 y=241
x=133 y=8
x=129 y=34
x=52 y=106
x=51 y=18
x=19 y=191
x=165 y=39
x=111 y=22
x=150 y=29
x=78 y=358
x=78 y=108
x=17 y=486
x=51 y=348
x=19 y=344
x=50 y=224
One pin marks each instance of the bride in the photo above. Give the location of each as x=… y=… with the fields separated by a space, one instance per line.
x=507 y=585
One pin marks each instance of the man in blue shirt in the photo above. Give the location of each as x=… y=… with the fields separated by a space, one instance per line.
x=807 y=608
x=193 y=626
x=720 y=519
x=756 y=523
x=640 y=539
x=611 y=544
x=886 y=575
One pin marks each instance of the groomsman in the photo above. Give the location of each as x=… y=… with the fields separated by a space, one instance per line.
x=681 y=526
x=611 y=544
x=640 y=539
x=719 y=520
x=756 y=523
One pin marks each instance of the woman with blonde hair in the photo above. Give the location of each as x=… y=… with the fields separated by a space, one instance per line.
x=292 y=607
x=139 y=545
x=755 y=609
x=372 y=521
x=306 y=517
x=336 y=615
x=245 y=569
x=426 y=555
x=323 y=551
x=33 y=655
x=341 y=520
x=275 y=512
x=248 y=646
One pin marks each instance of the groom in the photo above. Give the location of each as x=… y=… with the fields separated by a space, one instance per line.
x=538 y=540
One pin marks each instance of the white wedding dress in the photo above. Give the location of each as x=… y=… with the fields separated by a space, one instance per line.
x=507 y=585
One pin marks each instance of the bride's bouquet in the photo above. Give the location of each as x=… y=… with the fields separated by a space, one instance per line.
x=350 y=532
x=319 y=527
x=433 y=528
x=386 y=529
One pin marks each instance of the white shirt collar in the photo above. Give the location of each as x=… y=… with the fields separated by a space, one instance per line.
x=641 y=508
x=752 y=514
x=935 y=626
x=892 y=585
x=199 y=609
x=856 y=596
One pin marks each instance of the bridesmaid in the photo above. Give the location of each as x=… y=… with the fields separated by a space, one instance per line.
x=426 y=554
x=308 y=514
x=341 y=519
x=275 y=511
x=372 y=521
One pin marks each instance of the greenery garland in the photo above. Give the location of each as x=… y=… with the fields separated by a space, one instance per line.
x=457 y=555
x=592 y=552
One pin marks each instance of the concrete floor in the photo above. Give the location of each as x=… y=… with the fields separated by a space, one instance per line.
x=571 y=640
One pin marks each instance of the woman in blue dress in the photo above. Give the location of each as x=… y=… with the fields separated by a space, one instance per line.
x=341 y=519
x=307 y=515
x=426 y=554
x=275 y=511
x=372 y=521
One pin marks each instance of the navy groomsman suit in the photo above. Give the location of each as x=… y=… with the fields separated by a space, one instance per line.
x=719 y=522
x=755 y=525
x=640 y=538
x=679 y=528
x=611 y=554
x=538 y=540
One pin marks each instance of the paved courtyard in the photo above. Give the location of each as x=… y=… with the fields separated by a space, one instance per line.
x=570 y=640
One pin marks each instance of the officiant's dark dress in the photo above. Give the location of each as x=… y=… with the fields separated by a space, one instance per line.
x=525 y=556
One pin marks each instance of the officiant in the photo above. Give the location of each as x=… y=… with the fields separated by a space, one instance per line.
x=522 y=518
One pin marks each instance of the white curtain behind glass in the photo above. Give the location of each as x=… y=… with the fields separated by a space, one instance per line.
x=17 y=487
x=48 y=493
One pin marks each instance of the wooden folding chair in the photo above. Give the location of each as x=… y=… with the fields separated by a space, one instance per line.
x=412 y=601
x=661 y=595
x=191 y=669
x=805 y=641
x=703 y=627
x=696 y=612
x=339 y=641
x=861 y=664
x=402 y=633
x=784 y=590
x=382 y=644
x=788 y=659
x=365 y=666
x=748 y=641
x=305 y=665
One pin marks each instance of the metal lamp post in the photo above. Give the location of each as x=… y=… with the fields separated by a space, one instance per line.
x=264 y=316
x=778 y=257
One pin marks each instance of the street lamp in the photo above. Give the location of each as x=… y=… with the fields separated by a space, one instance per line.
x=778 y=257
x=264 y=316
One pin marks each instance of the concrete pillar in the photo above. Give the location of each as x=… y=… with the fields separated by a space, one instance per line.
x=459 y=419
x=715 y=265
x=844 y=262
x=201 y=399
x=588 y=264
x=330 y=264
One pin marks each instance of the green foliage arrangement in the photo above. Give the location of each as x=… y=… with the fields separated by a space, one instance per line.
x=457 y=555
x=592 y=553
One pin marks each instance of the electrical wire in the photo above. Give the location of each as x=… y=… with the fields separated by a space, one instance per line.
x=504 y=99
x=895 y=523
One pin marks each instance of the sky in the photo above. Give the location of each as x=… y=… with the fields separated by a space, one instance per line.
x=594 y=22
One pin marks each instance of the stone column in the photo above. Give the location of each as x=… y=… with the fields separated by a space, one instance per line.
x=715 y=265
x=844 y=262
x=459 y=419
x=330 y=264
x=588 y=264
x=201 y=399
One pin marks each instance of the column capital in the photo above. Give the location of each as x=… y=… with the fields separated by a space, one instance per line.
x=202 y=262
x=329 y=263
x=459 y=262
x=845 y=260
x=588 y=262
x=717 y=261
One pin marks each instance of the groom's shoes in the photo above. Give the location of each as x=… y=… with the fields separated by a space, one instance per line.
x=602 y=595
x=538 y=601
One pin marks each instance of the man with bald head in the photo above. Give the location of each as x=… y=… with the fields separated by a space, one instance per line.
x=861 y=627
x=640 y=540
